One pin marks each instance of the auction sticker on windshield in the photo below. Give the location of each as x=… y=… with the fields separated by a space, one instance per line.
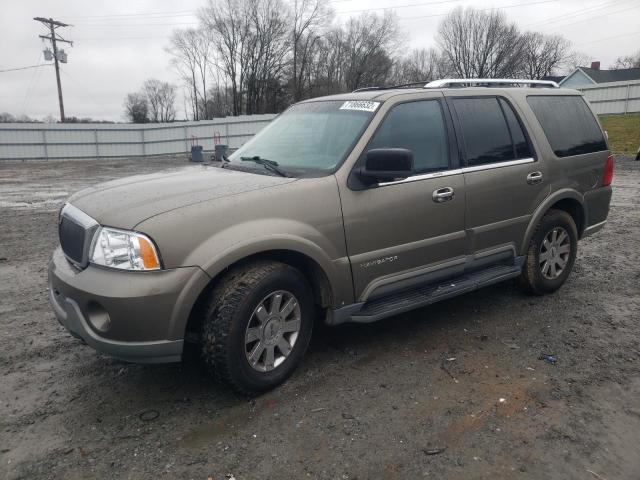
x=363 y=105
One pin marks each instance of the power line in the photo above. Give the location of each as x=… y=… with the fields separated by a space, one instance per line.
x=599 y=16
x=134 y=17
x=609 y=38
x=526 y=4
x=393 y=7
x=571 y=14
x=24 y=68
x=35 y=76
x=176 y=13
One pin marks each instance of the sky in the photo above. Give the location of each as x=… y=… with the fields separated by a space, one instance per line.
x=120 y=43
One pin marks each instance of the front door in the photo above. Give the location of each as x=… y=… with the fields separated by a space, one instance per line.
x=403 y=233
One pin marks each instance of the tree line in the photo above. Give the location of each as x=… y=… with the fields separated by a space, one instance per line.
x=259 y=56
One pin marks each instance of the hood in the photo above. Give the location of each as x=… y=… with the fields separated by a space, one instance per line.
x=128 y=201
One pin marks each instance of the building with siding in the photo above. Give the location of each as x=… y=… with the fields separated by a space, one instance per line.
x=608 y=91
x=584 y=76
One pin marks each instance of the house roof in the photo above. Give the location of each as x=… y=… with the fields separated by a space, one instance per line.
x=603 y=76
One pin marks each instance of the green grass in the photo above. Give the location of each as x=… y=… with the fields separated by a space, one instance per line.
x=624 y=132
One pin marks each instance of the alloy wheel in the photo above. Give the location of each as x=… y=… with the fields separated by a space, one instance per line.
x=554 y=253
x=272 y=330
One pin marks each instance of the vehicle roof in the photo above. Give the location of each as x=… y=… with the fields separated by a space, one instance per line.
x=383 y=94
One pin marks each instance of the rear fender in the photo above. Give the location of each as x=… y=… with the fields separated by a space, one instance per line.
x=544 y=208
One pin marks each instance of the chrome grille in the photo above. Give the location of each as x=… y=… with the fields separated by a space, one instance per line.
x=76 y=229
x=71 y=239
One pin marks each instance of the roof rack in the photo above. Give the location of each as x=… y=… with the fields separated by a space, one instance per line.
x=390 y=87
x=490 y=82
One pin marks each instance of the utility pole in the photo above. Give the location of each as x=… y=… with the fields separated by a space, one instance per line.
x=53 y=37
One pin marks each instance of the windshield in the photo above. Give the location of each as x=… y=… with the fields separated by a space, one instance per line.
x=308 y=137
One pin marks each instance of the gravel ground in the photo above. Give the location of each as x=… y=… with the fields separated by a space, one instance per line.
x=456 y=390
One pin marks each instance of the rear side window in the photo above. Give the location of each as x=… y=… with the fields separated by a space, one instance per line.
x=568 y=124
x=490 y=130
x=419 y=127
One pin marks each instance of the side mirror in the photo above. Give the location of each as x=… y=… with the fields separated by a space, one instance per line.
x=387 y=165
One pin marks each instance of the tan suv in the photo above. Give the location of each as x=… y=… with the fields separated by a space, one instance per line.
x=349 y=208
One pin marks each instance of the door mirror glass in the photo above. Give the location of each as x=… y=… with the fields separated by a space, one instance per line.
x=387 y=165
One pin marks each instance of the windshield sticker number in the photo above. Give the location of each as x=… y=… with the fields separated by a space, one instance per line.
x=362 y=105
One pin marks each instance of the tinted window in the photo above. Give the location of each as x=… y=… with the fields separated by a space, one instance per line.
x=520 y=143
x=484 y=129
x=568 y=124
x=419 y=127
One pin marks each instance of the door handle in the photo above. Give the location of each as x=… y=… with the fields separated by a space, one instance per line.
x=443 y=195
x=534 y=177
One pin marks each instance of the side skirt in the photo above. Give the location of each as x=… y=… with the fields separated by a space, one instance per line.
x=417 y=297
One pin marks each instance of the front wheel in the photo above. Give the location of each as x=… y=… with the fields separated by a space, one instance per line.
x=257 y=326
x=551 y=254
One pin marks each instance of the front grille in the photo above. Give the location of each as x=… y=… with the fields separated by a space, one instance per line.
x=76 y=229
x=72 y=238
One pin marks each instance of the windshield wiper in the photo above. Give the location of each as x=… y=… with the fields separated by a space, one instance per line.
x=268 y=164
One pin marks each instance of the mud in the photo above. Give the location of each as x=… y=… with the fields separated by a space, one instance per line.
x=456 y=390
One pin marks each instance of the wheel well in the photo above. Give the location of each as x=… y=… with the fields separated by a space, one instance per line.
x=573 y=208
x=321 y=288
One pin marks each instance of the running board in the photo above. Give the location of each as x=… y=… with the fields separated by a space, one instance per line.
x=380 y=308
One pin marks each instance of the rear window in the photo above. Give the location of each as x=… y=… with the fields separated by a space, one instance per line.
x=568 y=124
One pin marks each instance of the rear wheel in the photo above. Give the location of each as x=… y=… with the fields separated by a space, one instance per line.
x=257 y=326
x=551 y=254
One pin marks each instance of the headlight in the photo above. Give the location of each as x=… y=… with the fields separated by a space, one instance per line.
x=124 y=250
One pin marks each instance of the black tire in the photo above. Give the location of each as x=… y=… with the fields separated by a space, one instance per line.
x=532 y=278
x=229 y=311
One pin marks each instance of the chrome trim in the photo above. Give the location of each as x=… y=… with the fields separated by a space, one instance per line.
x=491 y=166
x=78 y=216
x=448 y=173
x=424 y=176
x=445 y=82
x=596 y=227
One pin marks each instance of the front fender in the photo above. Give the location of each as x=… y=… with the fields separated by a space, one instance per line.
x=222 y=250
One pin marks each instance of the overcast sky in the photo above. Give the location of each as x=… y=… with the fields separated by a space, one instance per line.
x=119 y=43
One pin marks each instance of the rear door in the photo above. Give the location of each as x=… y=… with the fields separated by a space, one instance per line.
x=504 y=180
x=398 y=233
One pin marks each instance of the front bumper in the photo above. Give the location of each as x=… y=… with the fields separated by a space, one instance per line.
x=134 y=316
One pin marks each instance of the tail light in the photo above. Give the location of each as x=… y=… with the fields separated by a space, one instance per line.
x=608 y=172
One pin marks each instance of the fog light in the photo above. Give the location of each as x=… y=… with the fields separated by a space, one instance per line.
x=98 y=317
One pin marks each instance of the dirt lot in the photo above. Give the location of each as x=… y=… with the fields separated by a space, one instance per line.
x=456 y=390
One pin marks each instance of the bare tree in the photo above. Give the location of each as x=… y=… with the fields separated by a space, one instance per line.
x=136 y=108
x=480 y=44
x=628 y=61
x=256 y=56
x=190 y=50
x=308 y=16
x=420 y=64
x=266 y=54
x=226 y=21
x=543 y=55
x=368 y=44
x=161 y=97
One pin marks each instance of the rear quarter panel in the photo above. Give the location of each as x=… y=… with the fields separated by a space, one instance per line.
x=574 y=176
